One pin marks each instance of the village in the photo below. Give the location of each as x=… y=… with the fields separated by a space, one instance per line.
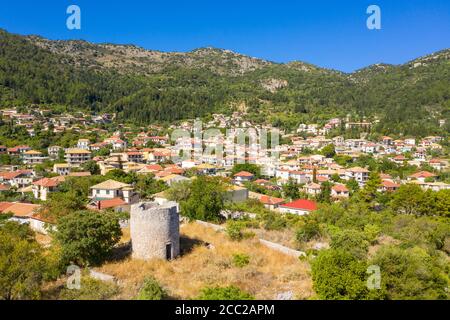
x=127 y=151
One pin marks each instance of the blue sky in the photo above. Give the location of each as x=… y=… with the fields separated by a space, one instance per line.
x=327 y=33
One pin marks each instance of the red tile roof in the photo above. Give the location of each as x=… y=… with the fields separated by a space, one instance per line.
x=301 y=204
x=340 y=188
x=49 y=182
x=244 y=174
x=270 y=200
x=19 y=209
x=423 y=174
x=389 y=184
x=110 y=203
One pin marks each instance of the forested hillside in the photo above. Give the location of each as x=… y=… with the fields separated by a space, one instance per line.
x=144 y=86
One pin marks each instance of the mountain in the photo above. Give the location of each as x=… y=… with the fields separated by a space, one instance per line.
x=144 y=85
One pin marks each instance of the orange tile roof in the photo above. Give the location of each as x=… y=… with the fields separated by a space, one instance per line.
x=270 y=200
x=19 y=209
x=423 y=174
x=49 y=182
x=110 y=203
x=244 y=174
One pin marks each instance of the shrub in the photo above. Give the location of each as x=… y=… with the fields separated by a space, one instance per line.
x=352 y=241
x=235 y=230
x=308 y=231
x=339 y=275
x=87 y=237
x=240 y=260
x=151 y=290
x=90 y=289
x=224 y=293
x=22 y=263
x=412 y=273
x=274 y=222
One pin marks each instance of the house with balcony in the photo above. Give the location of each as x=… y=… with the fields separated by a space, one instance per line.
x=62 y=169
x=75 y=156
x=112 y=189
x=32 y=157
x=53 y=151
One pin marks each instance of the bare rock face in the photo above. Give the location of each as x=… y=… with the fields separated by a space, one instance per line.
x=155 y=231
x=273 y=85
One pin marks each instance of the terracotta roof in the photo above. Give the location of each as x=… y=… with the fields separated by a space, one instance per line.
x=49 y=182
x=389 y=184
x=423 y=174
x=19 y=209
x=80 y=174
x=244 y=174
x=110 y=203
x=270 y=200
x=340 y=188
x=3 y=187
x=358 y=169
x=301 y=204
x=13 y=174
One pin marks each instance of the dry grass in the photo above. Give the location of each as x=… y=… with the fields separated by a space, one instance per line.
x=267 y=274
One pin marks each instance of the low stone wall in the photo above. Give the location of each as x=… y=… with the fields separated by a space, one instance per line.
x=210 y=225
x=282 y=249
x=272 y=245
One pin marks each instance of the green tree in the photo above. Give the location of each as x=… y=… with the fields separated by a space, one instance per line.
x=325 y=193
x=87 y=237
x=206 y=199
x=329 y=151
x=22 y=263
x=410 y=199
x=147 y=186
x=309 y=231
x=352 y=185
x=291 y=190
x=61 y=204
x=338 y=275
x=412 y=273
x=179 y=191
x=370 y=191
x=91 y=166
x=351 y=241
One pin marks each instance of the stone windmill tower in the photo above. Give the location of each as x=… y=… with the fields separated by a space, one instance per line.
x=155 y=231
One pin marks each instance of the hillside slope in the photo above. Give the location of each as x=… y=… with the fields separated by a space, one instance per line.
x=143 y=85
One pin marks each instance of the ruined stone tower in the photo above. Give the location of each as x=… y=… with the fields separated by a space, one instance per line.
x=155 y=230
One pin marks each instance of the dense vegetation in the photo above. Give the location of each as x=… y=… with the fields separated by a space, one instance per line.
x=408 y=99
